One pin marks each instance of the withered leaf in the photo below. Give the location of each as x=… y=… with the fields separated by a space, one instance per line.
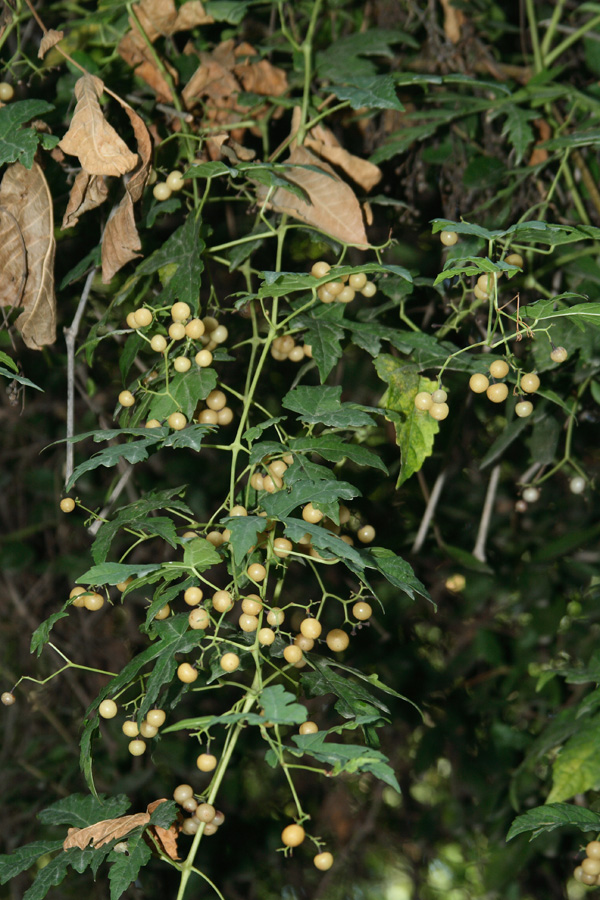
x=326 y=145
x=453 y=20
x=165 y=837
x=24 y=193
x=13 y=260
x=262 y=78
x=334 y=207
x=90 y=137
x=88 y=192
x=121 y=242
x=190 y=15
x=102 y=832
x=49 y=40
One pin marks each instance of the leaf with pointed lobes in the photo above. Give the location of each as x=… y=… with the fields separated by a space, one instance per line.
x=97 y=145
x=27 y=249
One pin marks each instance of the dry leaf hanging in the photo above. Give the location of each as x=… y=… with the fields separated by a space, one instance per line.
x=107 y=830
x=97 y=145
x=49 y=40
x=333 y=206
x=88 y=192
x=326 y=145
x=27 y=249
x=121 y=242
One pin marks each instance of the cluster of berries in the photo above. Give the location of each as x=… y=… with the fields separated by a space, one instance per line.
x=497 y=391
x=434 y=403
x=589 y=870
x=172 y=184
x=344 y=289
x=201 y=813
x=285 y=347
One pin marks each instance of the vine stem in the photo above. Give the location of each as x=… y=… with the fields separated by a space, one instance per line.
x=307 y=55
x=188 y=865
x=70 y=337
x=486 y=515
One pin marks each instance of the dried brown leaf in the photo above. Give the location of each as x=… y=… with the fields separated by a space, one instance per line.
x=13 y=260
x=326 y=145
x=88 y=192
x=333 y=209
x=453 y=21
x=49 y=40
x=121 y=242
x=211 y=79
x=24 y=193
x=165 y=837
x=102 y=832
x=262 y=78
x=90 y=137
x=6 y=14
x=190 y=15
x=156 y=17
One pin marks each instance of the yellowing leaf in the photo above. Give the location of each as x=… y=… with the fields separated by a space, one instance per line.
x=90 y=137
x=333 y=206
x=27 y=227
x=88 y=192
x=415 y=430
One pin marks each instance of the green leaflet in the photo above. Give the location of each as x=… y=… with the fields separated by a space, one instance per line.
x=415 y=430
x=577 y=767
x=551 y=816
x=18 y=143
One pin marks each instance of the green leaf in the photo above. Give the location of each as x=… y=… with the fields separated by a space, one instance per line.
x=186 y=389
x=81 y=810
x=91 y=728
x=114 y=573
x=324 y=541
x=518 y=130
x=165 y=814
x=551 y=816
x=546 y=309
x=183 y=250
x=126 y=866
x=334 y=448
x=504 y=440
x=190 y=437
x=280 y=706
x=577 y=767
x=208 y=169
x=18 y=143
x=397 y=571
x=41 y=635
x=200 y=554
x=374 y=92
x=19 y=378
x=353 y=699
x=346 y=757
x=251 y=434
x=280 y=284
x=133 y=452
x=231 y=11
x=51 y=875
x=5 y=358
x=324 y=335
x=323 y=404
x=325 y=495
x=244 y=533
x=21 y=859
x=415 y=430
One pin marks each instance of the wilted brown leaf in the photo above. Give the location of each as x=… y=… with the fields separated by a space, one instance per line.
x=25 y=200
x=165 y=837
x=121 y=242
x=6 y=13
x=190 y=15
x=49 y=40
x=13 y=260
x=262 y=78
x=211 y=79
x=97 y=145
x=453 y=20
x=326 y=145
x=102 y=832
x=333 y=209
x=88 y=192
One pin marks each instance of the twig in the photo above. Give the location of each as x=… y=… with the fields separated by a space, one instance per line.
x=429 y=511
x=528 y=473
x=70 y=337
x=121 y=483
x=486 y=515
